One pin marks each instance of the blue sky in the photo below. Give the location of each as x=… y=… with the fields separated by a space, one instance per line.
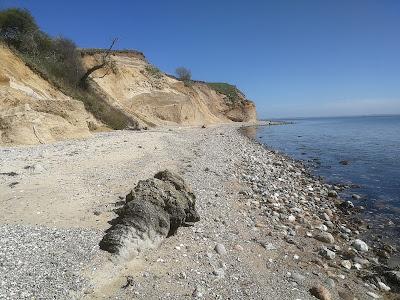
x=293 y=58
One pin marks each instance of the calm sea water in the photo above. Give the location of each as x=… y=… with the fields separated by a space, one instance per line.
x=370 y=146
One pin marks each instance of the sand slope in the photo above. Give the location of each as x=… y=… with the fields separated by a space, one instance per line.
x=32 y=111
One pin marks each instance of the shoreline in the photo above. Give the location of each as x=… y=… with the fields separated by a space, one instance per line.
x=376 y=233
x=259 y=205
x=386 y=253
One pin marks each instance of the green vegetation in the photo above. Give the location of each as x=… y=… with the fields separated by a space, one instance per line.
x=183 y=74
x=56 y=60
x=154 y=71
x=231 y=91
x=16 y=25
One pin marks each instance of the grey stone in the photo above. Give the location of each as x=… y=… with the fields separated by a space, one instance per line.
x=219 y=272
x=325 y=252
x=297 y=277
x=332 y=193
x=331 y=283
x=325 y=237
x=220 y=249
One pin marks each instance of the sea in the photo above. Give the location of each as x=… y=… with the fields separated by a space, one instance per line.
x=363 y=152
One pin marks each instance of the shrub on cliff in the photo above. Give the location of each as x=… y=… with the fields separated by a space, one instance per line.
x=183 y=74
x=16 y=25
x=55 y=59
x=230 y=91
x=153 y=71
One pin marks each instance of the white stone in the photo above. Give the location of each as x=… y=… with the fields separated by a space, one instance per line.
x=383 y=286
x=325 y=252
x=373 y=295
x=346 y=264
x=326 y=217
x=268 y=246
x=360 y=245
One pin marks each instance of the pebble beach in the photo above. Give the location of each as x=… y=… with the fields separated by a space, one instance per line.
x=268 y=229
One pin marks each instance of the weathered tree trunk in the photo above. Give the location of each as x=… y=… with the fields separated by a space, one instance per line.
x=82 y=81
x=104 y=62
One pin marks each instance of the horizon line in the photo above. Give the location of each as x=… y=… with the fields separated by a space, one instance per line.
x=334 y=116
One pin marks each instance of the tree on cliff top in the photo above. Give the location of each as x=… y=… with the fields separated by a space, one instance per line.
x=14 y=24
x=183 y=73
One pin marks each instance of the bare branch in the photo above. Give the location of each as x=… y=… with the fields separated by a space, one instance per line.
x=109 y=49
x=104 y=75
x=104 y=62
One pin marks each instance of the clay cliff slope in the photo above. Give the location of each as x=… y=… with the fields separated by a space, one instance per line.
x=32 y=111
x=153 y=98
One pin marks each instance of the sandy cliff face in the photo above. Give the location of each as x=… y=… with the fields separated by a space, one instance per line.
x=32 y=111
x=157 y=99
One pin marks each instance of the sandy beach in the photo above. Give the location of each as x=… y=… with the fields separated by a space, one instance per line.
x=279 y=232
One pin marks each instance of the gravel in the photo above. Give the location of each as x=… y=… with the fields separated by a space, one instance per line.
x=45 y=263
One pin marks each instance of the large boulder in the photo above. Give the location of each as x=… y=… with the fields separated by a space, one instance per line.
x=154 y=210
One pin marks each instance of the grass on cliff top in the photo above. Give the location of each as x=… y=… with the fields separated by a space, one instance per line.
x=153 y=71
x=229 y=90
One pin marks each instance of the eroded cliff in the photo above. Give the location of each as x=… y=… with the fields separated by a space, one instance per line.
x=33 y=111
x=155 y=98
